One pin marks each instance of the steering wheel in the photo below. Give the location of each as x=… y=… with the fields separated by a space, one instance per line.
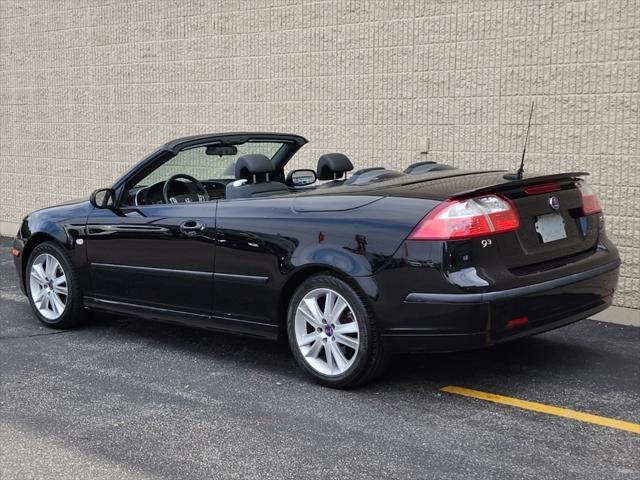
x=186 y=198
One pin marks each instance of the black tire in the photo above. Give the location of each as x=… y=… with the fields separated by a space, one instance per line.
x=371 y=358
x=72 y=314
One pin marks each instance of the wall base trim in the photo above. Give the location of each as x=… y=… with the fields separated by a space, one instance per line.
x=8 y=229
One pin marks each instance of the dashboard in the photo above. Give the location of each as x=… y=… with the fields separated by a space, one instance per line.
x=152 y=194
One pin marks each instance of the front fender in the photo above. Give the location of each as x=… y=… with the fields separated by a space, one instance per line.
x=64 y=224
x=31 y=234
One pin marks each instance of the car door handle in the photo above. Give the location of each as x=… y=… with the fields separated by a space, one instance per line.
x=192 y=228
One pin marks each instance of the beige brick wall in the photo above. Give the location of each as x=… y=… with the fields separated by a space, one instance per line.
x=88 y=87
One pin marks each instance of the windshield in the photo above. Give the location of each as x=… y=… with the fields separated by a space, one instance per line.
x=199 y=164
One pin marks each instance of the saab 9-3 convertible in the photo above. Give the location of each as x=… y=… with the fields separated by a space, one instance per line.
x=215 y=231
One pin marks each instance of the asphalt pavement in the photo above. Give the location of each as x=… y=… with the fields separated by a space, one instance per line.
x=123 y=398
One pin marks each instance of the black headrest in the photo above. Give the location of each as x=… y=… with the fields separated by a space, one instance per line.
x=251 y=164
x=333 y=165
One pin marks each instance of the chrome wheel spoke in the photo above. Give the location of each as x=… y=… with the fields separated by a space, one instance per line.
x=347 y=341
x=60 y=285
x=341 y=361
x=50 y=266
x=38 y=273
x=61 y=290
x=56 y=303
x=308 y=339
x=328 y=353
x=327 y=345
x=41 y=299
x=315 y=349
x=39 y=294
x=351 y=327
x=311 y=310
x=329 y=301
x=336 y=310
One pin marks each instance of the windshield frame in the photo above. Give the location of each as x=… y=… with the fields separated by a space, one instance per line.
x=290 y=145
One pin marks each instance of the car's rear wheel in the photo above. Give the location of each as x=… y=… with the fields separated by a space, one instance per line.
x=332 y=333
x=52 y=287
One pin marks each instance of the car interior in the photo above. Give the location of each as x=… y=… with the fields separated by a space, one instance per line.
x=215 y=172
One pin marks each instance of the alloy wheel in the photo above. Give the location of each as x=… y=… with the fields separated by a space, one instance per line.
x=327 y=331
x=48 y=285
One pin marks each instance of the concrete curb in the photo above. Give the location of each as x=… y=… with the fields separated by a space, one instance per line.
x=619 y=315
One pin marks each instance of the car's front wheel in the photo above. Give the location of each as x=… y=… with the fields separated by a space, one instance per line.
x=52 y=287
x=332 y=333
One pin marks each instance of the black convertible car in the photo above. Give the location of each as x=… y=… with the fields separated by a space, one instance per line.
x=209 y=231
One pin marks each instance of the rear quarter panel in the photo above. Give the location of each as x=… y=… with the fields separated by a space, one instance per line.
x=270 y=237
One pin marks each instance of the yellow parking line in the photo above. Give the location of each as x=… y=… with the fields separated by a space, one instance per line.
x=542 y=408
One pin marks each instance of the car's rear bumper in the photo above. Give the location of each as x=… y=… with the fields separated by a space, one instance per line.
x=478 y=320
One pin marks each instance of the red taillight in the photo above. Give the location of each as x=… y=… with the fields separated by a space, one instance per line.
x=590 y=202
x=471 y=217
x=517 y=322
x=544 y=188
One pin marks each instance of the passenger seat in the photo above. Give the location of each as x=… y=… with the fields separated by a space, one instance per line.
x=252 y=178
x=333 y=166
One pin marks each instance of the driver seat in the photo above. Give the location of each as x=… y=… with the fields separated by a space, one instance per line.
x=252 y=178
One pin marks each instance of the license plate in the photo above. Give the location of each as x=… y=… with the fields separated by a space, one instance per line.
x=550 y=227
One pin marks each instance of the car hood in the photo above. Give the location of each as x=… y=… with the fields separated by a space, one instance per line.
x=67 y=213
x=68 y=206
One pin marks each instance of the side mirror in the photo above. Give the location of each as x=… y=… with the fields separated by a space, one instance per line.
x=103 y=198
x=301 y=178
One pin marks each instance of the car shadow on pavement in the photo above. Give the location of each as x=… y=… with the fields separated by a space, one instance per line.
x=217 y=345
x=545 y=356
x=519 y=358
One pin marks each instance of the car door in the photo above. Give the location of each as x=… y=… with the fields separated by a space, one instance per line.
x=158 y=256
x=155 y=246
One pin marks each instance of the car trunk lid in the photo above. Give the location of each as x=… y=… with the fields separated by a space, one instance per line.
x=552 y=227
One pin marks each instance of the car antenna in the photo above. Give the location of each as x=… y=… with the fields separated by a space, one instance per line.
x=520 y=172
